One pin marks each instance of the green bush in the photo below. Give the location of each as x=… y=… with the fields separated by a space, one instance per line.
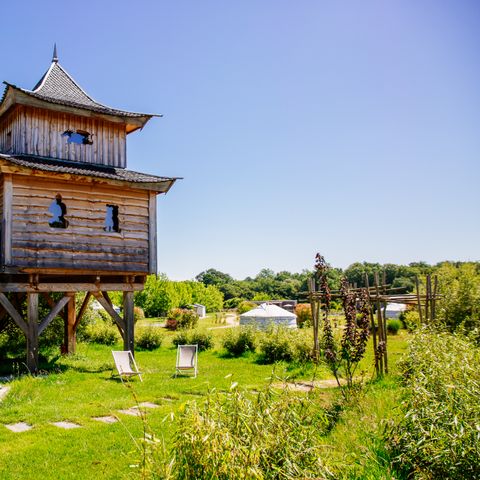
x=202 y=338
x=245 y=306
x=182 y=318
x=101 y=333
x=240 y=340
x=233 y=302
x=279 y=343
x=148 y=338
x=410 y=320
x=393 y=326
x=303 y=311
x=244 y=440
x=438 y=431
x=138 y=313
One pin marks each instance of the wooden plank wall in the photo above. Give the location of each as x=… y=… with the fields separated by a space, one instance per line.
x=39 y=132
x=84 y=245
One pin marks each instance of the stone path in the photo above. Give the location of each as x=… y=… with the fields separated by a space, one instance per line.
x=3 y=392
x=108 y=419
x=302 y=386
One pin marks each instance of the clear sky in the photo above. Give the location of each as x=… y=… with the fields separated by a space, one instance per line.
x=351 y=128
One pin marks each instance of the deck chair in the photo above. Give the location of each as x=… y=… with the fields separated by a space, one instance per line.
x=125 y=364
x=187 y=359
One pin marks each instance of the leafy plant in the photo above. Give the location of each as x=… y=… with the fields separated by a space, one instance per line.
x=438 y=433
x=202 y=338
x=182 y=318
x=245 y=306
x=244 y=441
x=101 y=333
x=393 y=326
x=303 y=311
x=148 y=338
x=284 y=344
x=237 y=341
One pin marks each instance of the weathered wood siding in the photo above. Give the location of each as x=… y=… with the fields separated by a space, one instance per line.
x=83 y=245
x=36 y=131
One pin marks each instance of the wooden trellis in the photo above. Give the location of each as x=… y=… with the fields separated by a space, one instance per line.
x=378 y=295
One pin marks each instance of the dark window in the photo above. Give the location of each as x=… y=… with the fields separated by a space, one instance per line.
x=58 y=210
x=8 y=144
x=80 y=137
x=111 y=219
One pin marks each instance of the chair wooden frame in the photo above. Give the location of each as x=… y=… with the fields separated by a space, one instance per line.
x=125 y=364
x=187 y=359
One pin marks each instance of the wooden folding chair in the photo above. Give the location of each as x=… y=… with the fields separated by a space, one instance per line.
x=125 y=364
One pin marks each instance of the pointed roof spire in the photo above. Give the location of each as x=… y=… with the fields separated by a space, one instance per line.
x=55 y=56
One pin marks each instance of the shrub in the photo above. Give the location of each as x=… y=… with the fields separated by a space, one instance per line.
x=240 y=340
x=138 y=313
x=393 y=326
x=279 y=343
x=148 y=338
x=202 y=338
x=183 y=318
x=437 y=434
x=304 y=315
x=101 y=333
x=232 y=302
x=244 y=441
x=410 y=320
x=245 y=306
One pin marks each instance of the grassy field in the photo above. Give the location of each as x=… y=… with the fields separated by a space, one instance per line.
x=80 y=388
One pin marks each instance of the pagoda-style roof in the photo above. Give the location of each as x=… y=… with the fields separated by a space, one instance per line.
x=58 y=89
x=30 y=164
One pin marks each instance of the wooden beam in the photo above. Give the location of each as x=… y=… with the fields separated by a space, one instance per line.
x=82 y=310
x=129 y=321
x=17 y=318
x=53 y=313
x=70 y=287
x=70 y=333
x=32 y=332
x=109 y=309
x=51 y=303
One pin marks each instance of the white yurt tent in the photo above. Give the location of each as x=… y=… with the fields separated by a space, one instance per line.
x=393 y=310
x=266 y=314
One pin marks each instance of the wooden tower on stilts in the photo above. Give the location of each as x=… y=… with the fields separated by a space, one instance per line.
x=73 y=218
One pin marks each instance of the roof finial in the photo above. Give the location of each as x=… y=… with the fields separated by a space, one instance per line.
x=55 y=56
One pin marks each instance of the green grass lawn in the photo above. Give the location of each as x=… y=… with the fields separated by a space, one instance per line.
x=80 y=387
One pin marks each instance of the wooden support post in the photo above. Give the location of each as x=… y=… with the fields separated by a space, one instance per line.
x=381 y=331
x=427 y=298
x=314 y=306
x=70 y=340
x=32 y=332
x=372 y=323
x=434 y=297
x=129 y=321
x=417 y=286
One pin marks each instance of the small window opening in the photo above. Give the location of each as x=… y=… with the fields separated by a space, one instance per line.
x=80 y=137
x=8 y=143
x=58 y=210
x=111 y=219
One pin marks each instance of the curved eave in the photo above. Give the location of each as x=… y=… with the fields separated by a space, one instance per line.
x=14 y=95
x=159 y=186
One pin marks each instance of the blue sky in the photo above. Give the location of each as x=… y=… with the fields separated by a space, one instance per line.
x=349 y=128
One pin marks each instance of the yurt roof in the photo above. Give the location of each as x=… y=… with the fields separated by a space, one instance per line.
x=269 y=311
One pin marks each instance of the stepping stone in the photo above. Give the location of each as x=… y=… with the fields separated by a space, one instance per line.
x=19 y=427
x=66 y=425
x=147 y=405
x=3 y=392
x=134 y=412
x=107 y=419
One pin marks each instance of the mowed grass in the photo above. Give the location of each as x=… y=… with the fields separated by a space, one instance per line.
x=81 y=387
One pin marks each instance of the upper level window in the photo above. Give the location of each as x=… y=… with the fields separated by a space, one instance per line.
x=111 y=219
x=8 y=142
x=80 y=137
x=58 y=210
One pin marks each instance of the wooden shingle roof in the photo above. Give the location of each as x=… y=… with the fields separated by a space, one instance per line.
x=57 y=87
x=30 y=164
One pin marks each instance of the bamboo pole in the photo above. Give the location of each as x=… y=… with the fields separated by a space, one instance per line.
x=417 y=286
x=374 y=329
x=381 y=335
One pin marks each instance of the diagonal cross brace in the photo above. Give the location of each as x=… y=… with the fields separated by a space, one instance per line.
x=103 y=300
x=54 y=312
x=17 y=318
